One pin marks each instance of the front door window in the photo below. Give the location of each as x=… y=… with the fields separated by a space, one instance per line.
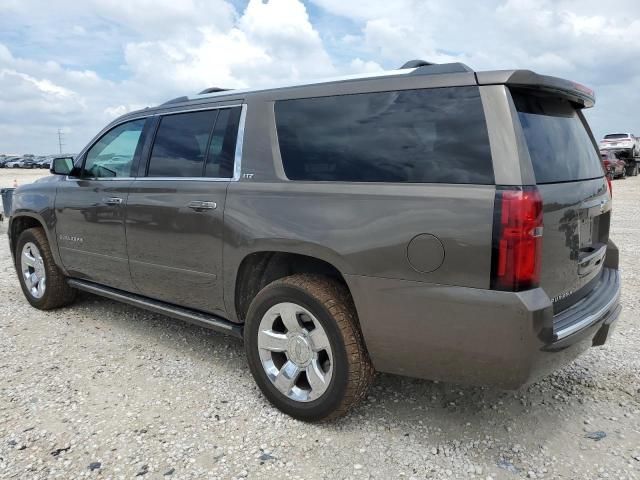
x=113 y=155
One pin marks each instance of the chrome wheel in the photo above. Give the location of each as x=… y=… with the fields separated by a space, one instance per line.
x=33 y=271
x=295 y=352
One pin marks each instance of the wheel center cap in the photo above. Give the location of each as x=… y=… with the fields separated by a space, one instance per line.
x=299 y=350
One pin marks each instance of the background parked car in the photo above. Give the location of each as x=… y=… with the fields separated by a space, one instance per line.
x=627 y=156
x=614 y=166
x=29 y=162
x=621 y=141
x=43 y=161
x=14 y=162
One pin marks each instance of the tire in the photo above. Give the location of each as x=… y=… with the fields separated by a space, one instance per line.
x=344 y=365
x=54 y=292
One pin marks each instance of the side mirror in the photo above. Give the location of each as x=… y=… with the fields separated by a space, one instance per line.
x=61 y=166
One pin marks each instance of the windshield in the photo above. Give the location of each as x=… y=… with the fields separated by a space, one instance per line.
x=559 y=144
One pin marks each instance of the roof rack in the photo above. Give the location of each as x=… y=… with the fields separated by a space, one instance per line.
x=213 y=90
x=183 y=98
x=422 y=67
x=413 y=67
x=416 y=64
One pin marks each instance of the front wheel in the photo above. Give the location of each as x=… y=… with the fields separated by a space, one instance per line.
x=42 y=282
x=305 y=349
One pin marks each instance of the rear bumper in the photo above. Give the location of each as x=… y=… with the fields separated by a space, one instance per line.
x=475 y=336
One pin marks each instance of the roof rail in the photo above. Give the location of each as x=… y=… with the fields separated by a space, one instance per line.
x=416 y=64
x=183 y=98
x=213 y=90
x=439 y=68
x=422 y=67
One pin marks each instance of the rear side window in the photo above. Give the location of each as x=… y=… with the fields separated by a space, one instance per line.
x=560 y=147
x=196 y=144
x=616 y=135
x=418 y=136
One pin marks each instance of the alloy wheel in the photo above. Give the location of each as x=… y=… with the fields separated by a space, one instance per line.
x=295 y=352
x=33 y=271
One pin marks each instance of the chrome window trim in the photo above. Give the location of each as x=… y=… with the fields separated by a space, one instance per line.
x=217 y=107
x=237 y=159
x=101 y=179
x=190 y=179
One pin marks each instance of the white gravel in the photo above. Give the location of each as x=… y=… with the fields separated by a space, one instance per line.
x=107 y=390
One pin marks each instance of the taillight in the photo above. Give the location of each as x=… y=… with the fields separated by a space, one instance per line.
x=608 y=177
x=517 y=239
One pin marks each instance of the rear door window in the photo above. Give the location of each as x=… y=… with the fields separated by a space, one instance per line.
x=418 y=136
x=180 y=146
x=196 y=144
x=559 y=144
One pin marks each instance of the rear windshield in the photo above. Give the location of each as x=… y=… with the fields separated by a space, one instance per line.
x=560 y=147
x=616 y=135
x=416 y=136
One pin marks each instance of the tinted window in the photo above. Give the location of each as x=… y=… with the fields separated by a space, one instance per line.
x=435 y=135
x=222 y=147
x=113 y=154
x=616 y=135
x=560 y=147
x=180 y=146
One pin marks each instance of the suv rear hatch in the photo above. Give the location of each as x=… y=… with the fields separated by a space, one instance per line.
x=574 y=191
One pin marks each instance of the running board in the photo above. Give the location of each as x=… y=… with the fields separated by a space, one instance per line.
x=205 y=320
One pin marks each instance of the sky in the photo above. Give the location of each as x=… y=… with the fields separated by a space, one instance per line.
x=75 y=66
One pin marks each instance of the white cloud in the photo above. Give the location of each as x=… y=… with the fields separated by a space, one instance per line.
x=178 y=48
x=360 y=66
x=79 y=64
x=590 y=41
x=269 y=43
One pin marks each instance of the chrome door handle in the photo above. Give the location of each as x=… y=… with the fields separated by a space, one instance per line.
x=113 y=201
x=200 y=206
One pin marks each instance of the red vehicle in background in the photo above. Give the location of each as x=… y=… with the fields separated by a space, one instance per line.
x=613 y=165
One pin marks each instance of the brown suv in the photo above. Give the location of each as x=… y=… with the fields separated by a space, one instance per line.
x=431 y=221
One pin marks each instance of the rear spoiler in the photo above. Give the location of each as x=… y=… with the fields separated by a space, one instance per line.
x=526 y=79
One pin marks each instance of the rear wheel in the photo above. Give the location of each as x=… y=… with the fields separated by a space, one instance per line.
x=42 y=282
x=305 y=349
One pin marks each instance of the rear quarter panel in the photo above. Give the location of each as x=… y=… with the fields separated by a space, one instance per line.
x=360 y=228
x=364 y=229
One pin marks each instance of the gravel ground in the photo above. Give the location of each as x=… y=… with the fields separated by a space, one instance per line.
x=107 y=390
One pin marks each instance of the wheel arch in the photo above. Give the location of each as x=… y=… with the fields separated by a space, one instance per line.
x=25 y=220
x=259 y=268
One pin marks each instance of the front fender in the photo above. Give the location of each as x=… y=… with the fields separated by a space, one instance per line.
x=35 y=202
